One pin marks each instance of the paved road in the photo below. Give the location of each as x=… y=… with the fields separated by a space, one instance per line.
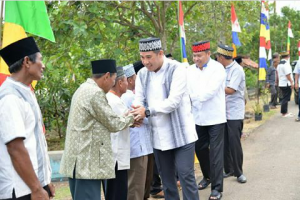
x=271 y=163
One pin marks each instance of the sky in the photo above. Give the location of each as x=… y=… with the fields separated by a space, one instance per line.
x=291 y=4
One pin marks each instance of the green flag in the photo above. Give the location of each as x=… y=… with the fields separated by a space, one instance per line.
x=31 y=15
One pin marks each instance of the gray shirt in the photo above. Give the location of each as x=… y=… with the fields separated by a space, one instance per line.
x=235 y=103
x=271 y=75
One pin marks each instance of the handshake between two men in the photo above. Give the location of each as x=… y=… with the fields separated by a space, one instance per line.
x=139 y=114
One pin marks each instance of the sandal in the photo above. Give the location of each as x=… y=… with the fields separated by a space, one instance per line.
x=215 y=195
x=203 y=184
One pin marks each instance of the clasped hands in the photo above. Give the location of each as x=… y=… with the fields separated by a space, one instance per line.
x=139 y=114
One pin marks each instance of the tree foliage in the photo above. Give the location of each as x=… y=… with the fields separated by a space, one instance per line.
x=86 y=31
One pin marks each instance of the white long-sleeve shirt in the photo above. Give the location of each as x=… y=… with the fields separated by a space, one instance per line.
x=161 y=105
x=207 y=92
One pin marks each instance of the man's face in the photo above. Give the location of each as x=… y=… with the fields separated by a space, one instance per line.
x=276 y=61
x=109 y=81
x=123 y=84
x=220 y=59
x=201 y=58
x=131 y=81
x=151 y=60
x=36 y=69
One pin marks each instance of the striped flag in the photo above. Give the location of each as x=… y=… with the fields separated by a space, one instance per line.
x=290 y=35
x=264 y=41
x=235 y=30
x=182 y=34
x=21 y=16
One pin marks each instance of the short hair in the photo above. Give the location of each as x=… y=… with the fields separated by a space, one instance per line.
x=119 y=79
x=275 y=55
x=285 y=56
x=14 y=68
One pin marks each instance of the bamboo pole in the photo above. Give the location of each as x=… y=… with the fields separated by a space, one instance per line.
x=1 y=22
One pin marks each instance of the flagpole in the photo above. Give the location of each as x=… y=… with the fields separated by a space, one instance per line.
x=259 y=55
x=1 y=22
x=181 y=53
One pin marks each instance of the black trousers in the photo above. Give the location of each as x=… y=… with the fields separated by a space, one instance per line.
x=181 y=160
x=28 y=197
x=233 y=152
x=210 y=153
x=117 y=188
x=286 y=96
x=273 y=91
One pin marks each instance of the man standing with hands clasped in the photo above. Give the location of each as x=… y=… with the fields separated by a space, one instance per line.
x=206 y=84
x=235 y=112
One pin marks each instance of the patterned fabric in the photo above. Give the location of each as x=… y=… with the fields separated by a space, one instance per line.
x=88 y=145
x=129 y=70
x=150 y=46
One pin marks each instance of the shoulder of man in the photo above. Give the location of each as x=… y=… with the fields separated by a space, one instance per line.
x=282 y=62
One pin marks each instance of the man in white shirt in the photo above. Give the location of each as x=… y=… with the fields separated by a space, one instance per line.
x=25 y=171
x=206 y=84
x=117 y=189
x=140 y=146
x=235 y=112
x=286 y=82
x=162 y=96
x=297 y=86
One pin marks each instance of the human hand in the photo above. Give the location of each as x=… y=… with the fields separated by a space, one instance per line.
x=39 y=194
x=292 y=86
x=138 y=112
x=296 y=85
x=52 y=190
x=267 y=85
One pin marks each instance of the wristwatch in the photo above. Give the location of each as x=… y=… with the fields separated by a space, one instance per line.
x=147 y=113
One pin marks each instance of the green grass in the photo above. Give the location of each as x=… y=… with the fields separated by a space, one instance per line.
x=62 y=192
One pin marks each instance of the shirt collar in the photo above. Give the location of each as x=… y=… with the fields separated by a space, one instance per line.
x=163 y=67
x=205 y=65
x=18 y=83
x=92 y=82
x=230 y=65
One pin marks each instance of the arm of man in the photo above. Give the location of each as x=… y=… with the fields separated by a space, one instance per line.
x=290 y=79
x=177 y=90
x=23 y=166
x=235 y=81
x=296 y=80
x=106 y=116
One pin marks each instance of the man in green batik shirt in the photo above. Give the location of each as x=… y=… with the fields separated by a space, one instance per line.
x=88 y=156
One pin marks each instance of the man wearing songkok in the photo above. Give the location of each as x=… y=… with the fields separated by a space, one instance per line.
x=88 y=156
x=235 y=112
x=206 y=84
x=117 y=188
x=153 y=181
x=286 y=82
x=140 y=145
x=25 y=171
x=162 y=97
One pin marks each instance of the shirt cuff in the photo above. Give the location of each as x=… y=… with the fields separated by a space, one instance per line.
x=152 y=111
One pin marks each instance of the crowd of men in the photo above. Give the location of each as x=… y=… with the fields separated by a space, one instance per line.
x=126 y=121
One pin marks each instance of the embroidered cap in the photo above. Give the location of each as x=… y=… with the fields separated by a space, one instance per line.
x=103 y=66
x=129 y=70
x=201 y=46
x=150 y=44
x=284 y=53
x=18 y=50
x=225 y=50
